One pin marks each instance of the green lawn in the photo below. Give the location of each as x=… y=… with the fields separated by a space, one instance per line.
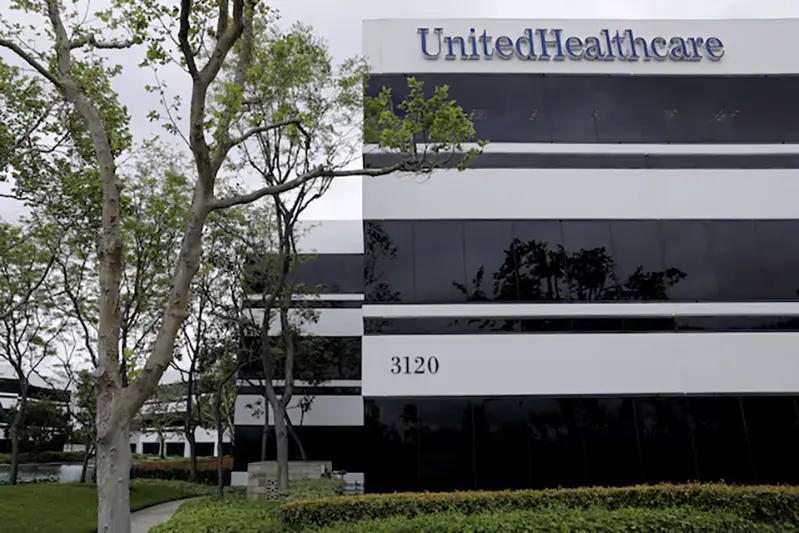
x=72 y=508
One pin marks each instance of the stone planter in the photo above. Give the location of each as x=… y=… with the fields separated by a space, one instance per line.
x=262 y=477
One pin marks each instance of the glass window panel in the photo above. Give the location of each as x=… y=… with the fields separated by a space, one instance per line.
x=501 y=444
x=391 y=430
x=638 y=257
x=557 y=454
x=439 y=265
x=611 y=442
x=572 y=107
x=616 y=109
x=720 y=438
x=779 y=248
x=620 y=108
x=737 y=259
x=773 y=427
x=590 y=269
x=686 y=247
x=666 y=444
x=489 y=260
x=388 y=261
x=446 y=453
x=540 y=261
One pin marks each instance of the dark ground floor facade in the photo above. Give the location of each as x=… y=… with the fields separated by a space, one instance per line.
x=446 y=444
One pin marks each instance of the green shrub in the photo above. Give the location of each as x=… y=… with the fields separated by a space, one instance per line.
x=44 y=457
x=223 y=516
x=177 y=471
x=768 y=504
x=313 y=488
x=590 y=520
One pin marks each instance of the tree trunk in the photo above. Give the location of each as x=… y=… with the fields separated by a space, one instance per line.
x=84 y=467
x=265 y=430
x=192 y=457
x=296 y=437
x=14 y=454
x=113 y=476
x=16 y=425
x=220 y=482
x=282 y=442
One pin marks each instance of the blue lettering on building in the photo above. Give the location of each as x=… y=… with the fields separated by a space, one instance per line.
x=552 y=44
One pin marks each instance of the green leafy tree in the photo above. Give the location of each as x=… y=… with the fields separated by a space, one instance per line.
x=27 y=326
x=216 y=44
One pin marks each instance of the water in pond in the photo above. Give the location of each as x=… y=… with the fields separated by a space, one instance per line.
x=54 y=473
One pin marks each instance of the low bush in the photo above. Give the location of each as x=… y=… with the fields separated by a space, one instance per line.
x=234 y=514
x=590 y=520
x=44 y=457
x=231 y=515
x=181 y=470
x=768 y=504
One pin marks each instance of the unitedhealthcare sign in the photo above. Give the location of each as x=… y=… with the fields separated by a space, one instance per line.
x=554 y=45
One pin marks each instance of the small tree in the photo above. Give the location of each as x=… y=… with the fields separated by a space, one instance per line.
x=27 y=328
x=202 y=38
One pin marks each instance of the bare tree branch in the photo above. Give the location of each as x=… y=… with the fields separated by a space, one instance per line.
x=318 y=172
x=30 y=60
x=92 y=41
x=183 y=37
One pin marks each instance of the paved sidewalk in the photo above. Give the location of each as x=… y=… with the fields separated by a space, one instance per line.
x=142 y=521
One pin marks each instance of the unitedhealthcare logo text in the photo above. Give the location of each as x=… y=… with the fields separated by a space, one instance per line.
x=552 y=44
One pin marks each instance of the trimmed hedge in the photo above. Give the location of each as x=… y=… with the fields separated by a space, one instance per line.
x=768 y=504
x=237 y=515
x=591 y=520
x=44 y=457
x=181 y=470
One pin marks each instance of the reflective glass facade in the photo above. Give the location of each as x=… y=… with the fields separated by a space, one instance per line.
x=541 y=442
x=570 y=108
x=452 y=261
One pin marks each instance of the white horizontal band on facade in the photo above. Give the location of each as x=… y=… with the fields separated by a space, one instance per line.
x=340 y=297
x=299 y=383
x=327 y=323
x=585 y=194
x=750 y=46
x=324 y=411
x=625 y=148
x=509 y=310
x=513 y=365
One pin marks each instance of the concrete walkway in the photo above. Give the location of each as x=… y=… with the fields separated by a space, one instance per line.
x=142 y=521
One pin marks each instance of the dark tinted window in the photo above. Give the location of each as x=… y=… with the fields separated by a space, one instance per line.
x=488 y=259
x=582 y=260
x=330 y=273
x=388 y=261
x=773 y=427
x=611 y=442
x=686 y=247
x=737 y=260
x=638 y=260
x=509 y=442
x=720 y=439
x=540 y=261
x=667 y=450
x=440 y=274
x=502 y=448
x=446 y=451
x=614 y=109
x=556 y=442
x=779 y=249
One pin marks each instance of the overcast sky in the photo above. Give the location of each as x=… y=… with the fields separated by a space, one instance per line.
x=339 y=22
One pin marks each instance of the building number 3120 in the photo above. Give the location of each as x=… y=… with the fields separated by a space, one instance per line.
x=414 y=365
